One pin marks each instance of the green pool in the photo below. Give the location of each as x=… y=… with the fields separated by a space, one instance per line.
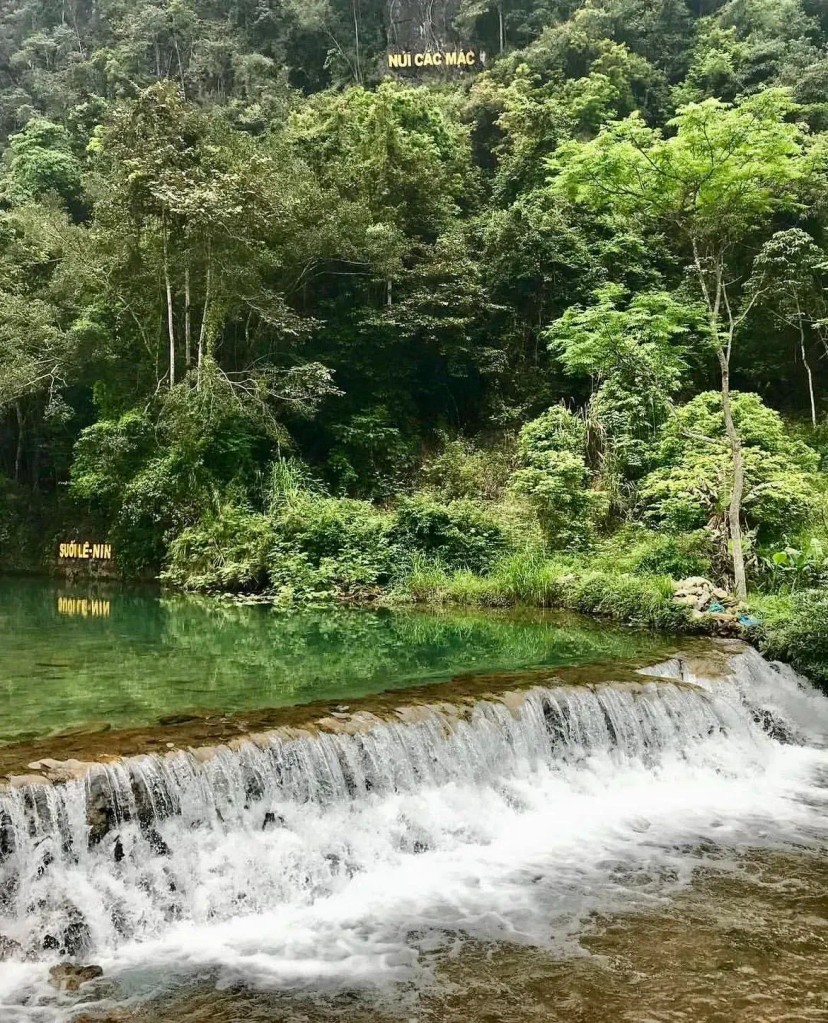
x=73 y=657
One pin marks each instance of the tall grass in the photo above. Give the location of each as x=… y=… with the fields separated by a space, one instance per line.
x=551 y=583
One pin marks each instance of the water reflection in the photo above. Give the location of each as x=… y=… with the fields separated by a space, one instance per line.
x=70 y=655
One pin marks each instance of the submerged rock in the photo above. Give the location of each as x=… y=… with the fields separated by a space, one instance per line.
x=69 y=976
x=110 y=1016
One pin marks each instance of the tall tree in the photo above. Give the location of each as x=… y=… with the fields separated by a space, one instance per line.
x=788 y=281
x=710 y=186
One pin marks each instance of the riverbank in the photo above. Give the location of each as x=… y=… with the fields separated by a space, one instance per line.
x=785 y=627
x=791 y=627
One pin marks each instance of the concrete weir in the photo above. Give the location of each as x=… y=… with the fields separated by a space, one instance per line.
x=111 y=837
x=76 y=755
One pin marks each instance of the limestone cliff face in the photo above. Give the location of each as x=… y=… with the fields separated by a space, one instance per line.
x=422 y=25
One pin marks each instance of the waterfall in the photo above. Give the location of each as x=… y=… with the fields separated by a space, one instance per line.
x=315 y=853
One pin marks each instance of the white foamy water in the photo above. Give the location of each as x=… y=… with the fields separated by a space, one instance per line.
x=330 y=861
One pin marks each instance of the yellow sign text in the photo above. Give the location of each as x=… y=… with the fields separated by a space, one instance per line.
x=86 y=551
x=84 y=607
x=433 y=58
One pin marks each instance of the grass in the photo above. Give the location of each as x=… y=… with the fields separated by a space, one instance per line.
x=557 y=584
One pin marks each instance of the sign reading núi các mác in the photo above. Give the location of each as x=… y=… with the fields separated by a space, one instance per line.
x=435 y=59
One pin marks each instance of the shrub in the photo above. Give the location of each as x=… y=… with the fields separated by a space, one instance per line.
x=372 y=455
x=463 y=470
x=226 y=550
x=521 y=579
x=555 y=477
x=796 y=630
x=691 y=486
x=345 y=544
x=460 y=534
x=642 y=551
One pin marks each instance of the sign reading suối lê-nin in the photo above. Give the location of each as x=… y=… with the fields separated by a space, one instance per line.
x=423 y=37
x=76 y=550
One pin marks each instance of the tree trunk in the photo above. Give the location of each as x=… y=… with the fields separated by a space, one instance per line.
x=389 y=292
x=187 y=325
x=356 y=41
x=18 y=455
x=204 y=315
x=734 y=511
x=807 y=366
x=170 y=318
x=500 y=27
x=180 y=70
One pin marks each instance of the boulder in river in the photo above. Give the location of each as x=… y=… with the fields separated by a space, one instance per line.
x=70 y=976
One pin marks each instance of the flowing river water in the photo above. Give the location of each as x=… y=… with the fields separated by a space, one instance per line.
x=555 y=835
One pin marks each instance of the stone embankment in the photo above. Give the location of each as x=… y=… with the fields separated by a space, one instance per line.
x=713 y=606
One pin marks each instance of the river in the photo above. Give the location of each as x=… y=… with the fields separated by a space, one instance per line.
x=525 y=828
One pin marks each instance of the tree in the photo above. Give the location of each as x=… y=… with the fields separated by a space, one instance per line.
x=634 y=350
x=788 y=281
x=711 y=186
x=689 y=487
x=555 y=477
x=40 y=161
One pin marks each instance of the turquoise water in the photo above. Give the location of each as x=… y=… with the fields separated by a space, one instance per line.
x=72 y=657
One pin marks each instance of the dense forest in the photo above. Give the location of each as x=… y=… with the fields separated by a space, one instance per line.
x=555 y=330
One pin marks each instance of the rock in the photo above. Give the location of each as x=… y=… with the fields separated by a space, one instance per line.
x=178 y=719
x=111 y=1016
x=99 y=814
x=76 y=936
x=87 y=728
x=10 y=949
x=720 y=594
x=7 y=837
x=688 y=600
x=69 y=977
x=22 y=781
x=156 y=842
x=695 y=582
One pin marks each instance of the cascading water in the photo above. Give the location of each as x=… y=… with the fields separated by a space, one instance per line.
x=329 y=859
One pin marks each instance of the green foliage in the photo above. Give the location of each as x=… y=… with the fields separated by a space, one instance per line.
x=555 y=477
x=690 y=487
x=242 y=270
x=305 y=548
x=636 y=352
x=371 y=455
x=150 y=472
x=720 y=172
x=460 y=534
x=225 y=550
x=338 y=545
x=39 y=163
x=796 y=630
x=464 y=470
x=639 y=600
x=794 y=568
x=640 y=551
